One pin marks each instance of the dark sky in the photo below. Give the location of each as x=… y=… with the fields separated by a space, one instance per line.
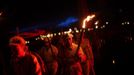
x=33 y=10
x=21 y=12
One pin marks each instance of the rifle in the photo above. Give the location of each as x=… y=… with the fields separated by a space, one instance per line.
x=79 y=43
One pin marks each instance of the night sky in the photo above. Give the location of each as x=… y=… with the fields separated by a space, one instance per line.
x=23 y=12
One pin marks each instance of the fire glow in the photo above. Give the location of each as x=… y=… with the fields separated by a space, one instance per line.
x=90 y=17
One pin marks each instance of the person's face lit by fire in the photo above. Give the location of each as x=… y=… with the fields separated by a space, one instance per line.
x=68 y=41
x=46 y=42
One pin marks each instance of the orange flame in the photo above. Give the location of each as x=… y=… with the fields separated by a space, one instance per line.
x=87 y=19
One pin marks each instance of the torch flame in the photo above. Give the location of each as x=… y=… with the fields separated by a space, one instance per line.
x=87 y=19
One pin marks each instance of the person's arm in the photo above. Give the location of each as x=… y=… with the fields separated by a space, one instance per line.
x=81 y=55
x=37 y=68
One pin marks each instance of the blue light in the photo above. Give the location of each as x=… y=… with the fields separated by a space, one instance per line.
x=68 y=21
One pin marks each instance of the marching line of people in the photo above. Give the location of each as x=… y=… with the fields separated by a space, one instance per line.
x=53 y=58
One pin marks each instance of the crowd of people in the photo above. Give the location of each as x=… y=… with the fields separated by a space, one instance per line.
x=60 y=55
